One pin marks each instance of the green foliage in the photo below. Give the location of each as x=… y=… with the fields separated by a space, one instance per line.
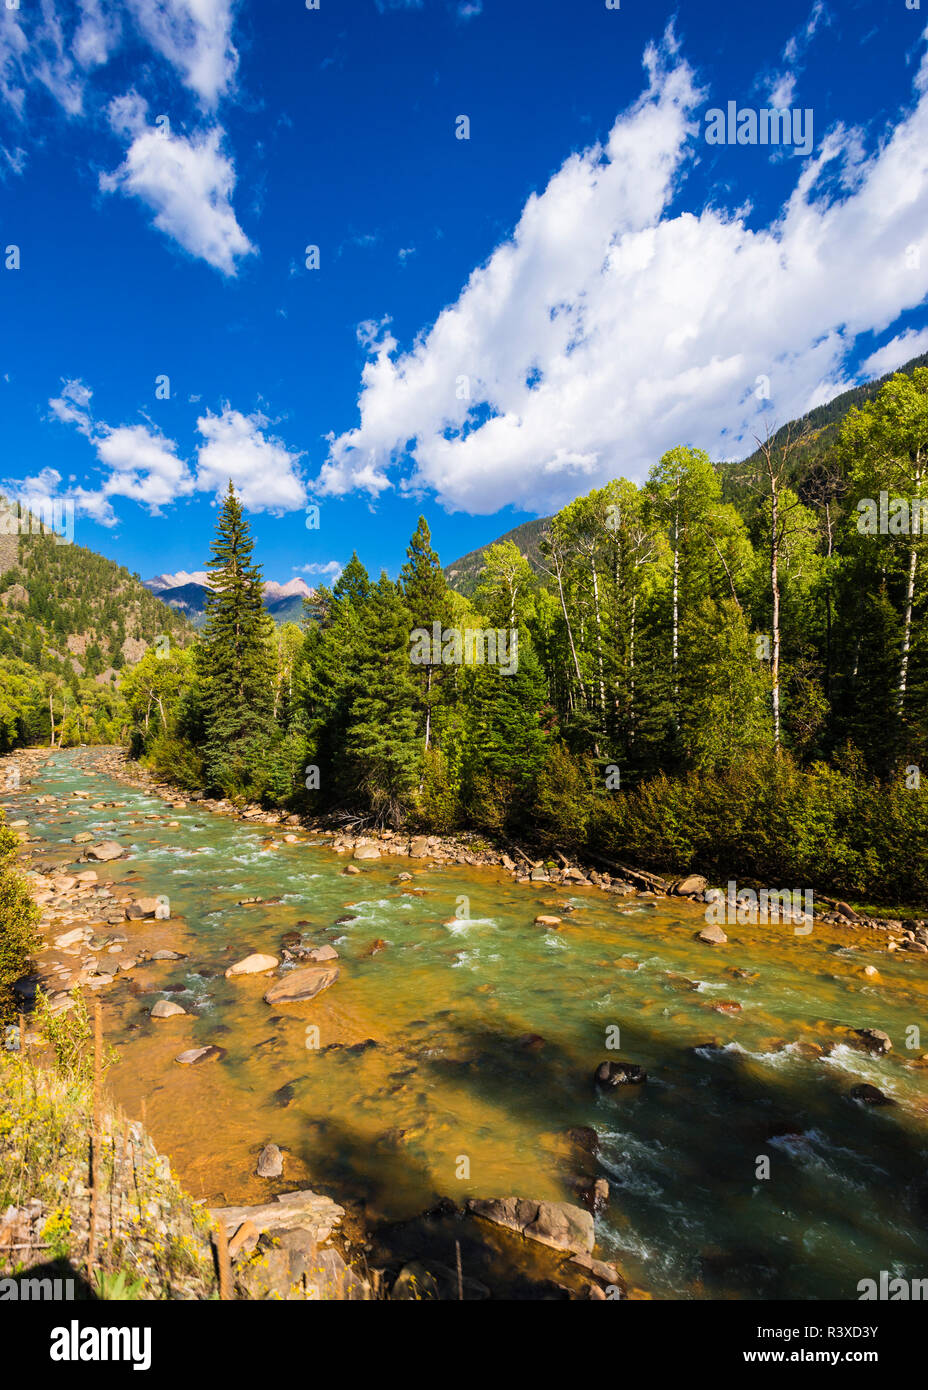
x=234 y=662
x=118 y=1285
x=18 y=918
x=69 y=1033
x=769 y=820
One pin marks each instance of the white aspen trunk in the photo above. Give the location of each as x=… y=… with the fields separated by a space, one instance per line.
x=775 y=597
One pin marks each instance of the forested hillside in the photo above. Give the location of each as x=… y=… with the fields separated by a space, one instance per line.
x=70 y=623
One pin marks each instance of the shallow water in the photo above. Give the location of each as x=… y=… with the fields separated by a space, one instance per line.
x=452 y=1101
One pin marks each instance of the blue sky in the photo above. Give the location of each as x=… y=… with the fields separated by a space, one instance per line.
x=498 y=323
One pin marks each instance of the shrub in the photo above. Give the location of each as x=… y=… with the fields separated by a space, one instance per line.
x=18 y=918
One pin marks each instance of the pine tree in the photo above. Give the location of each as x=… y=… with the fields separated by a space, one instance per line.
x=382 y=741
x=234 y=660
x=425 y=593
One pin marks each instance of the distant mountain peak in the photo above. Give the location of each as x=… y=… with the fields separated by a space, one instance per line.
x=189 y=592
x=176 y=581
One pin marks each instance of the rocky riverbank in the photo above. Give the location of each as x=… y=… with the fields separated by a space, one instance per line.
x=475 y=851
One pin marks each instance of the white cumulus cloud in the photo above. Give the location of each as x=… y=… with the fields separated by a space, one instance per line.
x=902 y=348
x=186 y=181
x=264 y=471
x=610 y=327
x=195 y=36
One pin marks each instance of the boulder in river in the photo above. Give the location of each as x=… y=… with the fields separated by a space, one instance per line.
x=869 y=1095
x=557 y=1224
x=108 y=849
x=689 y=886
x=166 y=1009
x=298 y=985
x=875 y=1039
x=256 y=964
x=366 y=852
x=419 y=847
x=319 y=953
x=712 y=935
x=546 y=921
x=270 y=1162
x=610 y=1074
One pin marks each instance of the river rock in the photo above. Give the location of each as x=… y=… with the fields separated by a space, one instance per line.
x=610 y=1074
x=256 y=964
x=270 y=1162
x=298 y=985
x=83 y=838
x=319 y=953
x=351 y=869
x=167 y=955
x=70 y=938
x=875 y=1039
x=195 y=1055
x=366 y=852
x=153 y=907
x=302 y=1210
x=869 y=1095
x=688 y=887
x=545 y=921
x=419 y=847
x=557 y=1224
x=165 y=1009
x=712 y=935
x=109 y=849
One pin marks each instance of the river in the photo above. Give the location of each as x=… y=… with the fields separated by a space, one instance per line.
x=740 y=1169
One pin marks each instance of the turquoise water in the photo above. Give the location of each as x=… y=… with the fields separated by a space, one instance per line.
x=455 y=1100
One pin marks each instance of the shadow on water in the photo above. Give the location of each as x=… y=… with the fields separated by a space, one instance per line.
x=723 y=1122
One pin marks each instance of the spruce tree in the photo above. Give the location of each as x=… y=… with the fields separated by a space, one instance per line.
x=235 y=659
x=425 y=593
x=382 y=742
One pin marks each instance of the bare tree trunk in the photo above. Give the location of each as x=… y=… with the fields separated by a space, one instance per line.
x=775 y=596
x=51 y=715
x=676 y=599
x=907 y=632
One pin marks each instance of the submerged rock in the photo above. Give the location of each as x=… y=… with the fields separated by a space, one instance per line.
x=298 y=985
x=194 y=1055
